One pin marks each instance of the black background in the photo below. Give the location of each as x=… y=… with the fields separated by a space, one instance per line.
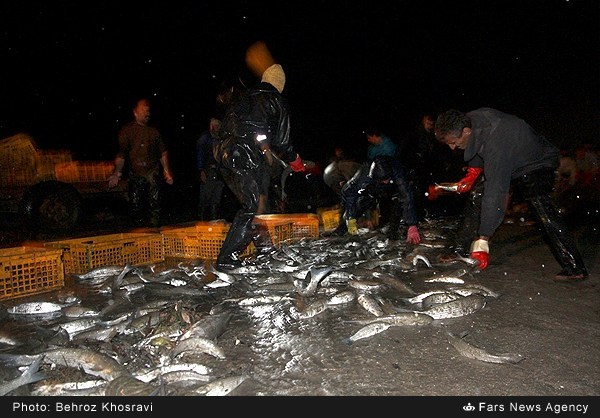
x=70 y=70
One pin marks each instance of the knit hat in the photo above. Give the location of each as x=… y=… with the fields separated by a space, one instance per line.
x=275 y=76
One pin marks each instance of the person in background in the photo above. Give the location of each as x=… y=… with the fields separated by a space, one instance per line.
x=426 y=160
x=510 y=151
x=255 y=131
x=382 y=177
x=141 y=146
x=211 y=184
x=339 y=170
x=379 y=144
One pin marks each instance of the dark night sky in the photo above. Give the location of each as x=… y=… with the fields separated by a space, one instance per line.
x=70 y=69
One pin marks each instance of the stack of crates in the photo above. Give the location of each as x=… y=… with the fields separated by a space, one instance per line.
x=304 y=225
x=201 y=240
x=29 y=270
x=84 y=254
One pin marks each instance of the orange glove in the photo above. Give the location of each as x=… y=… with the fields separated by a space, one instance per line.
x=297 y=165
x=480 y=250
x=465 y=184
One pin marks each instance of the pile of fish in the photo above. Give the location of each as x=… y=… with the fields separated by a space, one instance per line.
x=155 y=330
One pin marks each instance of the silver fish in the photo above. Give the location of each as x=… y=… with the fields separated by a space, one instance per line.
x=78 y=311
x=445 y=279
x=89 y=361
x=368 y=331
x=366 y=285
x=394 y=283
x=30 y=375
x=262 y=300
x=315 y=275
x=345 y=296
x=457 y=308
x=223 y=386
x=34 y=308
x=399 y=319
x=198 y=344
x=156 y=372
x=474 y=288
x=370 y=304
x=468 y=260
x=438 y=298
x=420 y=257
x=470 y=351
x=88 y=387
x=314 y=308
x=100 y=272
x=210 y=326
x=421 y=296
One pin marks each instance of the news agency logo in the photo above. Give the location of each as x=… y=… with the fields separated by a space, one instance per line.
x=468 y=407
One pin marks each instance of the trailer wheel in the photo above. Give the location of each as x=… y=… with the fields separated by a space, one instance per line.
x=51 y=206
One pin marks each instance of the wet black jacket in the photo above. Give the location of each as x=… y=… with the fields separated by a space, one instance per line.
x=260 y=117
x=507 y=148
x=367 y=183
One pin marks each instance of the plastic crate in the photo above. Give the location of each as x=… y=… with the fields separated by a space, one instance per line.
x=201 y=240
x=330 y=219
x=18 y=160
x=280 y=229
x=304 y=225
x=82 y=171
x=84 y=254
x=30 y=270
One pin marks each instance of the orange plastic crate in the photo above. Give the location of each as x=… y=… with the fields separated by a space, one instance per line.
x=84 y=254
x=29 y=270
x=84 y=171
x=201 y=240
x=330 y=219
x=280 y=229
x=304 y=225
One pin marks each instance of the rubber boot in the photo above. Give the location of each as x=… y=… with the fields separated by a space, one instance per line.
x=236 y=241
x=559 y=237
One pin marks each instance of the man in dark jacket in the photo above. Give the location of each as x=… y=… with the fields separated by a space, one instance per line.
x=509 y=150
x=384 y=176
x=254 y=132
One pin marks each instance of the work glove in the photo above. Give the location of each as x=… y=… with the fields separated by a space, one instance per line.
x=298 y=165
x=413 y=236
x=433 y=192
x=480 y=250
x=352 y=226
x=465 y=184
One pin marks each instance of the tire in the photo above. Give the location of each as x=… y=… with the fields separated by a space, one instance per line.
x=51 y=206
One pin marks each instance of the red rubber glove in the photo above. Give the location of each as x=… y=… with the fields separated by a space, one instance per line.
x=465 y=184
x=433 y=192
x=413 y=236
x=480 y=250
x=297 y=165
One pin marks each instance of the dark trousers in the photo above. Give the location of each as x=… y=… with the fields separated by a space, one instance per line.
x=145 y=194
x=536 y=188
x=247 y=186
